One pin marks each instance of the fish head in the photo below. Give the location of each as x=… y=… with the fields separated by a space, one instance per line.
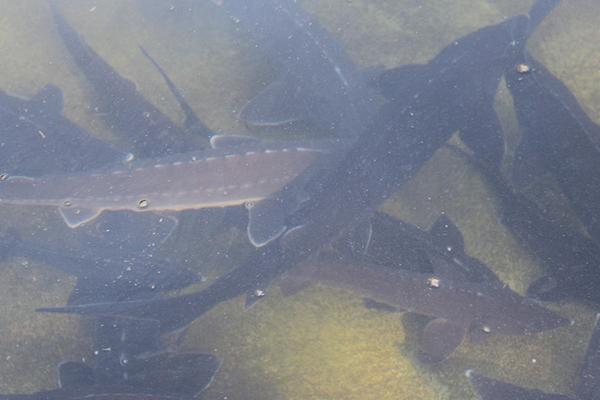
x=519 y=317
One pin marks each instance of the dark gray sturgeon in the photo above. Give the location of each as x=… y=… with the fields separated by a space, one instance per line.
x=557 y=137
x=403 y=137
x=166 y=376
x=318 y=84
x=457 y=307
x=150 y=133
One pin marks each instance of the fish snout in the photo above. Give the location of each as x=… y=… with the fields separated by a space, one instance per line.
x=542 y=319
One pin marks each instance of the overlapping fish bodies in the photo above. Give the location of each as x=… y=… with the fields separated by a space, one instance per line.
x=317 y=85
x=569 y=256
x=149 y=131
x=38 y=139
x=404 y=136
x=557 y=137
x=110 y=277
x=213 y=178
x=163 y=377
x=477 y=61
x=458 y=307
x=440 y=250
x=586 y=389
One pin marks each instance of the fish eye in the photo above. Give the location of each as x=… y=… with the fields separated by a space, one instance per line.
x=143 y=204
x=433 y=282
x=523 y=68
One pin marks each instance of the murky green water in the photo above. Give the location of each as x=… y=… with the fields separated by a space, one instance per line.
x=322 y=343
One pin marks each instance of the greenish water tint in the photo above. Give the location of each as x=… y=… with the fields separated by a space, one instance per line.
x=321 y=343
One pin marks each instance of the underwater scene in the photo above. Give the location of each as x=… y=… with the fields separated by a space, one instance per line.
x=299 y=199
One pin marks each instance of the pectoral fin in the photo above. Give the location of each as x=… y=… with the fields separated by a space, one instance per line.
x=358 y=240
x=76 y=216
x=439 y=339
x=266 y=221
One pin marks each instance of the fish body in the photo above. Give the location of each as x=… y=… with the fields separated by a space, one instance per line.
x=439 y=250
x=166 y=376
x=481 y=309
x=103 y=276
x=401 y=139
x=317 y=81
x=148 y=131
x=37 y=139
x=213 y=178
x=558 y=138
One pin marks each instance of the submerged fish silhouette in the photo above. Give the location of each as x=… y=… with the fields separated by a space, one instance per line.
x=403 y=137
x=569 y=256
x=317 y=82
x=557 y=137
x=149 y=131
x=586 y=389
x=165 y=376
x=211 y=178
x=439 y=250
x=37 y=139
x=458 y=307
x=476 y=62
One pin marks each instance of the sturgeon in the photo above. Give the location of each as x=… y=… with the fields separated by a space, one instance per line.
x=165 y=376
x=318 y=84
x=218 y=177
x=458 y=307
x=404 y=136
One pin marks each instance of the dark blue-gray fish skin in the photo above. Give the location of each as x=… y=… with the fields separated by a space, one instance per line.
x=38 y=139
x=103 y=276
x=458 y=306
x=403 y=137
x=148 y=130
x=477 y=61
x=557 y=137
x=167 y=376
x=440 y=250
x=569 y=257
x=318 y=84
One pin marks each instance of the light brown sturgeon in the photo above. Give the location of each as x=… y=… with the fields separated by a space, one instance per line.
x=210 y=178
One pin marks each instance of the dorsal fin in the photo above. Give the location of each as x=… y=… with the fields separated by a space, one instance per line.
x=192 y=123
x=76 y=216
